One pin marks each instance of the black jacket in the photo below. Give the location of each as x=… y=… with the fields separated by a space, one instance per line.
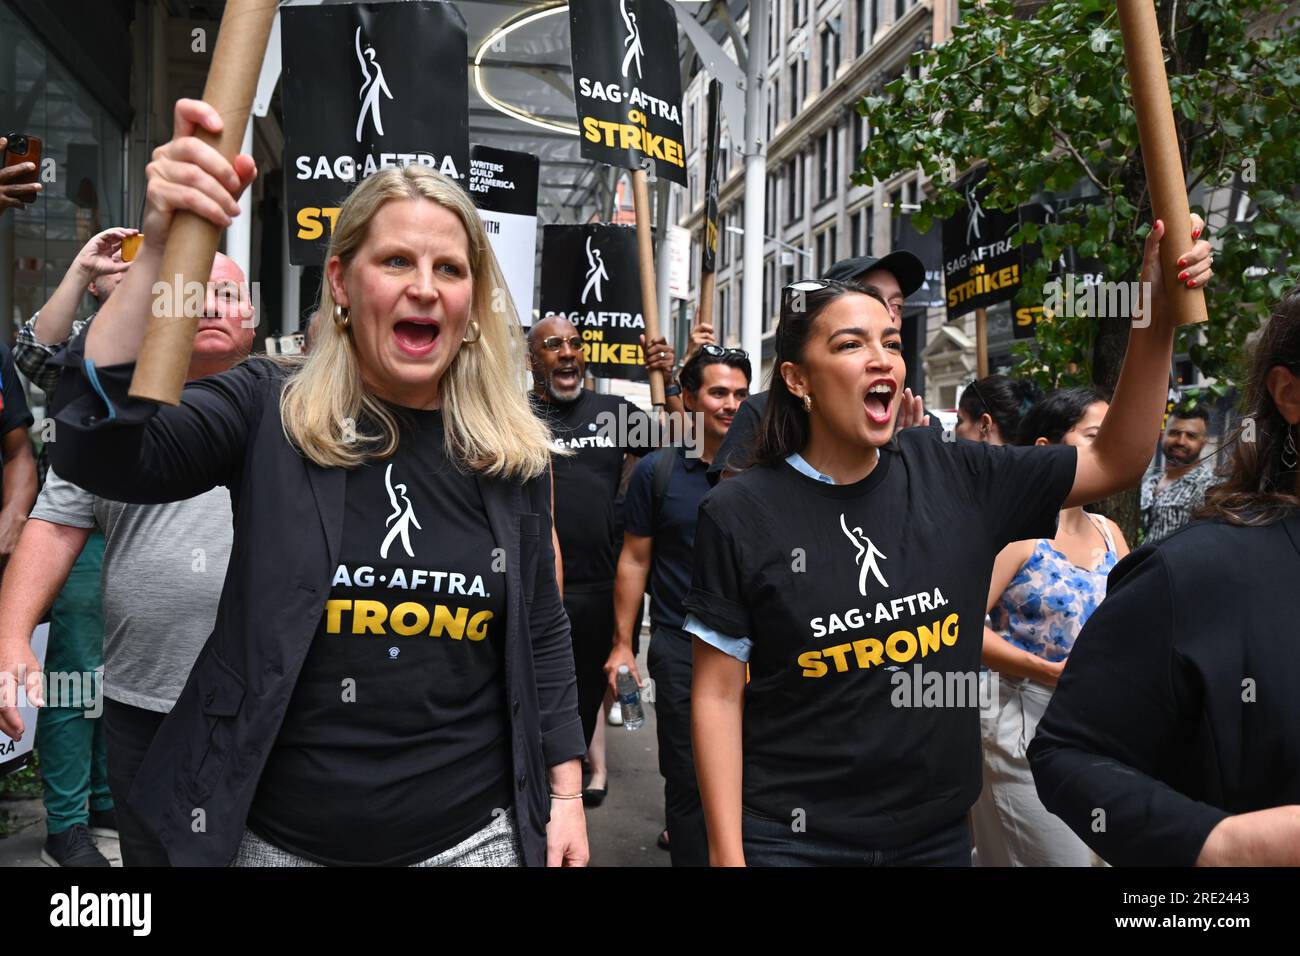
x=1181 y=701
x=198 y=778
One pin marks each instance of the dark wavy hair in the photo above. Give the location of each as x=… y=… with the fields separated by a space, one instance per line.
x=1056 y=413
x=691 y=377
x=1003 y=399
x=1262 y=489
x=785 y=422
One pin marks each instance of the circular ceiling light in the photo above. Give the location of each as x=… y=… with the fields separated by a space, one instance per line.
x=500 y=106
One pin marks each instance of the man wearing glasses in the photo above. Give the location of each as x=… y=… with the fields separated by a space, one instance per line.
x=896 y=277
x=587 y=483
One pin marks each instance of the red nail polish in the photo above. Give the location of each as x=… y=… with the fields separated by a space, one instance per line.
x=1196 y=234
x=1181 y=263
x=1181 y=275
x=1191 y=283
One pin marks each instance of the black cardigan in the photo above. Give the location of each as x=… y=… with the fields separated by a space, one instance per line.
x=198 y=778
x=1181 y=701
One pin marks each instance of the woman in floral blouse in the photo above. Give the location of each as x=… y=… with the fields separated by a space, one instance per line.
x=1041 y=594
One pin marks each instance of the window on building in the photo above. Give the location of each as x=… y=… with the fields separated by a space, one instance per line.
x=770 y=292
x=895 y=210
x=828 y=164
x=869 y=242
x=830 y=47
x=792 y=266
x=773 y=28
x=798 y=13
x=834 y=136
x=859 y=125
x=722 y=316
x=793 y=191
x=855 y=234
x=865 y=25
x=900 y=8
x=795 y=101
x=832 y=246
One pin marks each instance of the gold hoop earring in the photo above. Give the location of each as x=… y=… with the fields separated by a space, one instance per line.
x=478 y=333
x=807 y=403
x=342 y=316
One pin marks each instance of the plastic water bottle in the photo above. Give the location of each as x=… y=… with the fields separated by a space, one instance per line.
x=629 y=698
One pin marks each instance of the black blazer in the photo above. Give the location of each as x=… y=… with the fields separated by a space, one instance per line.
x=198 y=779
x=1181 y=700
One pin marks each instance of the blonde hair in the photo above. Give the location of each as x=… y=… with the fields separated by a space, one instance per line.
x=487 y=422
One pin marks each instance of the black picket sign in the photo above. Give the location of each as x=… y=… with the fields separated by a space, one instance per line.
x=367 y=86
x=627 y=83
x=709 y=247
x=591 y=276
x=981 y=267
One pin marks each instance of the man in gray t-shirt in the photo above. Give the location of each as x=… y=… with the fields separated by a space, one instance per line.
x=163 y=570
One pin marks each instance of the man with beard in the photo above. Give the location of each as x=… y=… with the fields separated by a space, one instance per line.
x=600 y=432
x=1169 y=498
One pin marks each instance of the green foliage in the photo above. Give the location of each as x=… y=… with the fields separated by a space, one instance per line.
x=1045 y=101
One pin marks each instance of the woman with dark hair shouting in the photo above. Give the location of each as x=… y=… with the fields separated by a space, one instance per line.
x=390 y=678
x=849 y=571
x=1173 y=737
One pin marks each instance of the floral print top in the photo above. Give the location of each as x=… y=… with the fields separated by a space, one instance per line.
x=1049 y=600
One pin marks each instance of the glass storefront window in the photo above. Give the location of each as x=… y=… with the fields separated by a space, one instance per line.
x=38 y=243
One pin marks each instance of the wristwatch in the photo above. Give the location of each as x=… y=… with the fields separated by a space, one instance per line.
x=672 y=391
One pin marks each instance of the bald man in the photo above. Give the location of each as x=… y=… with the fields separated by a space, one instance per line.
x=163 y=569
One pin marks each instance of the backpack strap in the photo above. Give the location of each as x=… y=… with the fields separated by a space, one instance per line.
x=663 y=474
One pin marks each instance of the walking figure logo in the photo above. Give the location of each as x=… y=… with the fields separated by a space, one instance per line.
x=632 y=42
x=867 y=556
x=595 y=273
x=976 y=214
x=403 y=514
x=371 y=88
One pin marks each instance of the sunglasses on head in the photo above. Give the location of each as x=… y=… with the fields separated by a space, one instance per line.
x=718 y=351
x=808 y=286
x=975 y=388
x=553 y=343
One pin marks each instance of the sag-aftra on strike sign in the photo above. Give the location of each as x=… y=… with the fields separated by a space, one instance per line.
x=627 y=84
x=367 y=86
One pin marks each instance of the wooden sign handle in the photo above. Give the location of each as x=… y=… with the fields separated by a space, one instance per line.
x=164 y=358
x=646 y=257
x=708 y=282
x=1160 y=157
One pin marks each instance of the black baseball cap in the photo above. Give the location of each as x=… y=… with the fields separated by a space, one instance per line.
x=903 y=265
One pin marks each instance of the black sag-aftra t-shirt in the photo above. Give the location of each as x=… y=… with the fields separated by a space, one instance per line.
x=859 y=599
x=599 y=430
x=395 y=744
